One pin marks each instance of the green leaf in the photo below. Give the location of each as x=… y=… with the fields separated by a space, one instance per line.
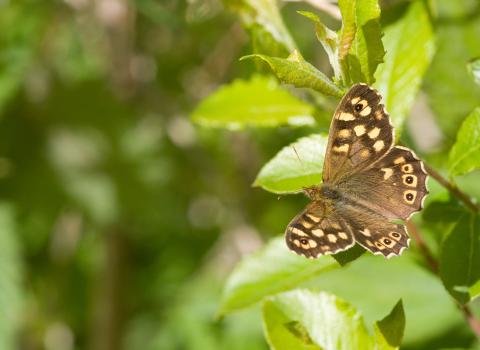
x=10 y=279
x=259 y=102
x=460 y=259
x=296 y=166
x=329 y=39
x=303 y=319
x=374 y=284
x=298 y=72
x=391 y=327
x=474 y=69
x=409 y=42
x=360 y=44
x=272 y=270
x=448 y=78
x=463 y=156
x=263 y=19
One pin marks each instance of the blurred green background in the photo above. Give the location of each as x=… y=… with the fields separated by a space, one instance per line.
x=119 y=219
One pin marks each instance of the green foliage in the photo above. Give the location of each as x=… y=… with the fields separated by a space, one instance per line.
x=409 y=42
x=258 y=102
x=360 y=45
x=460 y=259
x=474 y=68
x=272 y=270
x=11 y=297
x=463 y=156
x=296 y=71
x=302 y=319
x=296 y=166
x=125 y=226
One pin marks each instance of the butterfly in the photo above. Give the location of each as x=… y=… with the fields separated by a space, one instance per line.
x=368 y=185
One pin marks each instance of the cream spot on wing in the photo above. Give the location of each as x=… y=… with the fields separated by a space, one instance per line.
x=407 y=168
x=342 y=235
x=355 y=100
x=332 y=238
x=306 y=224
x=346 y=116
x=359 y=130
x=318 y=232
x=366 y=111
x=410 y=180
x=305 y=246
x=379 y=115
x=299 y=232
x=313 y=217
x=388 y=172
x=379 y=245
x=366 y=232
x=399 y=160
x=373 y=134
x=336 y=226
x=365 y=153
x=344 y=133
x=324 y=247
x=343 y=148
x=312 y=243
x=409 y=196
x=369 y=243
x=378 y=145
x=296 y=242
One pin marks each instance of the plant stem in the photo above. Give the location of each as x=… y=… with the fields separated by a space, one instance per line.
x=453 y=189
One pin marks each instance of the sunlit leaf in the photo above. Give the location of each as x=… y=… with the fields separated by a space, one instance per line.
x=296 y=166
x=374 y=284
x=272 y=270
x=360 y=44
x=409 y=42
x=448 y=79
x=389 y=330
x=464 y=155
x=298 y=72
x=259 y=102
x=329 y=40
x=263 y=19
x=303 y=319
x=474 y=68
x=460 y=259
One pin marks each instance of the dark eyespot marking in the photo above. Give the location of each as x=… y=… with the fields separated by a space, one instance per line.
x=358 y=107
x=304 y=241
x=409 y=196
x=395 y=234
x=387 y=241
x=409 y=179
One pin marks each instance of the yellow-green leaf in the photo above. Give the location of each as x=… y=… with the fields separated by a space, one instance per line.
x=465 y=153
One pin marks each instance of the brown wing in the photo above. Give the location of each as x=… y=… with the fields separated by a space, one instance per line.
x=360 y=134
x=394 y=187
x=373 y=231
x=318 y=231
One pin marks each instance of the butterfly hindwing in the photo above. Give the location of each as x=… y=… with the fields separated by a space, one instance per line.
x=374 y=232
x=317 y=231
x=360 y=134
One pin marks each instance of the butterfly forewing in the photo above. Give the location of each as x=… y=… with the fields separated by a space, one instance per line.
x=360 y=133
x=395 y=186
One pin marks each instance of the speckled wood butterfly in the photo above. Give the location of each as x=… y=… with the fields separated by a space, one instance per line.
x=367 y=185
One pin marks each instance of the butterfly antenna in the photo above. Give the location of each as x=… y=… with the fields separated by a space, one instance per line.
x=304 y=169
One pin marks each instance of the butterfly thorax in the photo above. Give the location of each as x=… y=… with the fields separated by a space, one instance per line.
x=324 y=192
